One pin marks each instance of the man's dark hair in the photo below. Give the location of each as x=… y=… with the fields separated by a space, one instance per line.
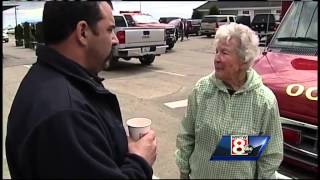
x=60 y=18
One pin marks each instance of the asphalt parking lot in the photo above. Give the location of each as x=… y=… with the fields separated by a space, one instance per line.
x=158 y=91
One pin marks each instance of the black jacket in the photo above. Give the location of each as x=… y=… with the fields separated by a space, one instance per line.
x=64 y=124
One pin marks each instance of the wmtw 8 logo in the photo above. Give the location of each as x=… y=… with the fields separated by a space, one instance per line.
x=240 y=147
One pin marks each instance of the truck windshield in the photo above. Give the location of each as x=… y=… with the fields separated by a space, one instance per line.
x=300 y=26
x=263 y=18
x=143 y=18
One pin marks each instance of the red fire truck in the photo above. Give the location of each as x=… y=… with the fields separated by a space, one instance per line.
x=289 y=67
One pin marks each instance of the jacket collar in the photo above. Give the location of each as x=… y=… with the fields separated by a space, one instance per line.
x=253 y=81
x=55 y=60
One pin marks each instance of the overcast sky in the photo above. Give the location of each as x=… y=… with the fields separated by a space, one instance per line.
x=32 y=11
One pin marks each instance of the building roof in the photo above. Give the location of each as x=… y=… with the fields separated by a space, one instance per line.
x=239 y=4
x=5 y=7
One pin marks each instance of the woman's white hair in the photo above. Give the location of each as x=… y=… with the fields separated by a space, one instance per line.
x=249 y=41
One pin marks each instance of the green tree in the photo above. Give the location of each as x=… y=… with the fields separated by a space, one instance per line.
x=32 y=36
x=214 y=10
x=27 y=34
x=196 y=15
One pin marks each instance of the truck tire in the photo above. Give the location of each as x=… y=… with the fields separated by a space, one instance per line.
x=209 y=35
x=170 y=46
x=147 y=59
x=127 y=58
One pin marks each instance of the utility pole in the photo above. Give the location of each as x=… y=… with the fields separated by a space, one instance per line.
x=15 y=14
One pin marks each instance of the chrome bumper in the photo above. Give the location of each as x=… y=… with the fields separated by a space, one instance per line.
x=139 y=51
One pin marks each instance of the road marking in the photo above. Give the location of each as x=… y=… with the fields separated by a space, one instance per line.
x=281 y=176
x=177 y=104
x=27 y=66
x=171 y=73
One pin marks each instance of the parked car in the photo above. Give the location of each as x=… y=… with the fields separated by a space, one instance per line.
x=166 y=20
x=263 y=22
x=194 y=26
x=138 y=19
x=176 y=24
x=265 y=25
x=210 y=23
x=10 y=30
x=243 y=19
x=5 y=37
x=289 y=67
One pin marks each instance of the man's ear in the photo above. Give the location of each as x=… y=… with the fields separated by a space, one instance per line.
x=82 y=32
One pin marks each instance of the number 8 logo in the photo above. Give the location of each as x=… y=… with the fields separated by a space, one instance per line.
x=238 y=147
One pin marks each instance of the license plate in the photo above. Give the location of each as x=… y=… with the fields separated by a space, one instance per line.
x=145 y=49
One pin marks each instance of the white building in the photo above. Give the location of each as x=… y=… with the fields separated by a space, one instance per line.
x=243 y=7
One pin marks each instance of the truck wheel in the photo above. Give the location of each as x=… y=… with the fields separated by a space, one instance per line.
x=147 y=59
x=176 y=35
x=170 y=46
x=208 y=35
x=198 y=33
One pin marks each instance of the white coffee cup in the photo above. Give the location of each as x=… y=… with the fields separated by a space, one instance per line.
x=138 y=127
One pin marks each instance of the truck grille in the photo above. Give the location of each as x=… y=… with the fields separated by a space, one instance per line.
x=305 y=150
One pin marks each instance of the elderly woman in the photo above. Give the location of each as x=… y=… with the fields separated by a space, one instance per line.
x=230 y=101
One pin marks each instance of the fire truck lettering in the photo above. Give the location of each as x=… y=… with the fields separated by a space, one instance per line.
x=299 y=90
x=309 y=93
x=297 y=93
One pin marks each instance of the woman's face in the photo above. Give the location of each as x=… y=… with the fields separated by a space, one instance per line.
x=227 y=62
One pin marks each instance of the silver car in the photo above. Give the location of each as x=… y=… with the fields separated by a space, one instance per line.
x=5 y=37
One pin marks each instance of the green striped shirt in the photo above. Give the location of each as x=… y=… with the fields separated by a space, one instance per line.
x=213 y=112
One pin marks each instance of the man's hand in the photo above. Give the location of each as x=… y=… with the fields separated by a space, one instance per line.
x=146 y=147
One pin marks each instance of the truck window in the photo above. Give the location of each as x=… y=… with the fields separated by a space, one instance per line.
x=143 y=18
x=299 y=28
x=119 y=21
x=166 y=20
x=263 y=18
x=130 y=20
x=209 y=19
x=222 y=19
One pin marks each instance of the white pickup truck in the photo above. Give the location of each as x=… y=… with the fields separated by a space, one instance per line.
x=137 y=42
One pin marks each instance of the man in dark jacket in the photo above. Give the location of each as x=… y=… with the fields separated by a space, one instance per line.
x=63 y=122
